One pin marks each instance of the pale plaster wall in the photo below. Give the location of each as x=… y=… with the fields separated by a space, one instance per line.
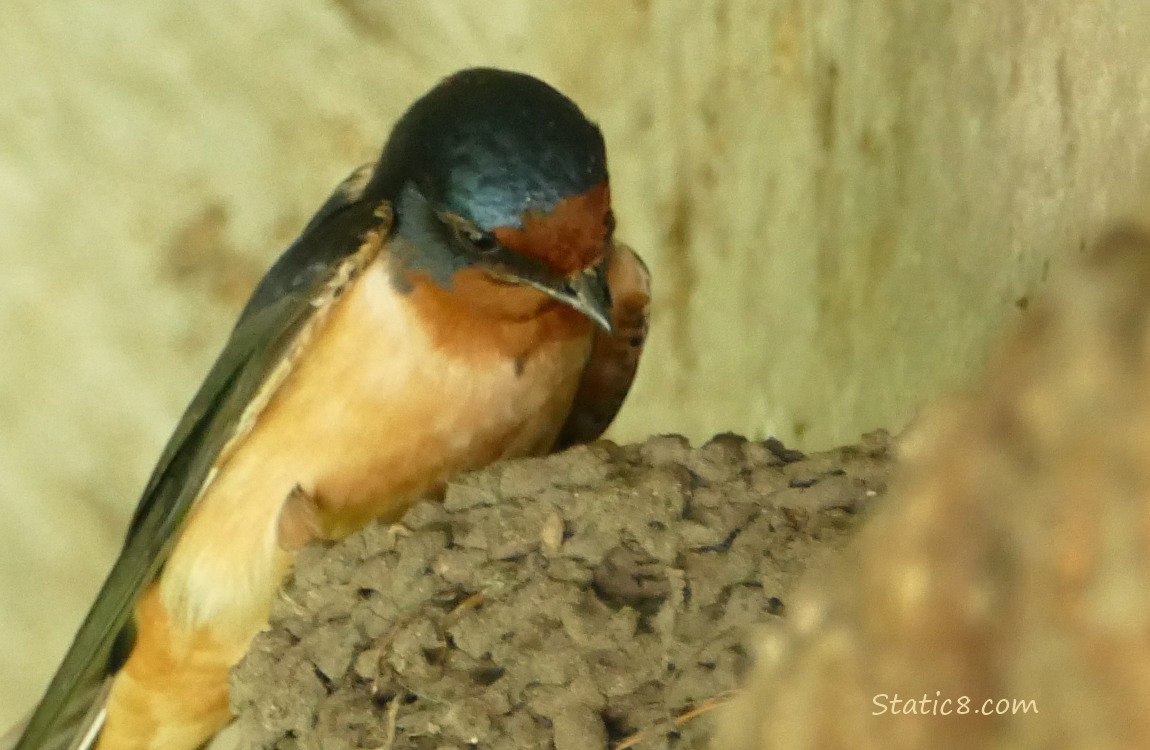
x=841 y=202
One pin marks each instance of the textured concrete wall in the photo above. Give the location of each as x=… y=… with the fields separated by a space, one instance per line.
x=841 y=202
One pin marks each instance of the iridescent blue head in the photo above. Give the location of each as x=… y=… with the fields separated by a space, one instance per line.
x=498 y=171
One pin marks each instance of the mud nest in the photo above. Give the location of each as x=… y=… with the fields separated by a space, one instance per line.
x=592 y=599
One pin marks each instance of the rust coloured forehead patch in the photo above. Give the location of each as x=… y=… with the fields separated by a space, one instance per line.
x=570 y=237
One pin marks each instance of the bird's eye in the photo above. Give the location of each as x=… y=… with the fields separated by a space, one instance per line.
x=470 y=237
x=476 y=240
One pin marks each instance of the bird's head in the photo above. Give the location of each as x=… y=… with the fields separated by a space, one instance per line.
x=496 y=178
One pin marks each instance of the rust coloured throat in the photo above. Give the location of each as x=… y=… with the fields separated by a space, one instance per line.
x=481 y=319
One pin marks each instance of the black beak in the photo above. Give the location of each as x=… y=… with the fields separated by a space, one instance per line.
x=585 y=291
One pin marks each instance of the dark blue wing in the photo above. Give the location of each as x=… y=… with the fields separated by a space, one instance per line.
x=278 y=310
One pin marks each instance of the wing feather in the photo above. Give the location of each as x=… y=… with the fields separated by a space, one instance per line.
x=295 y=294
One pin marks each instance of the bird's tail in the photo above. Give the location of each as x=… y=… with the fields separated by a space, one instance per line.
x=79 y=733
x=76 y=728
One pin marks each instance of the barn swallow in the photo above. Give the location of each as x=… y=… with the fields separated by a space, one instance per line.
x=460 y=301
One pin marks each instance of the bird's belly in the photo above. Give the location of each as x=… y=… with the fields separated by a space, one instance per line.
x=372 y=417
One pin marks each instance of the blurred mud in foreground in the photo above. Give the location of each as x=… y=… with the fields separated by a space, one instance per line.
x=1009 y=565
